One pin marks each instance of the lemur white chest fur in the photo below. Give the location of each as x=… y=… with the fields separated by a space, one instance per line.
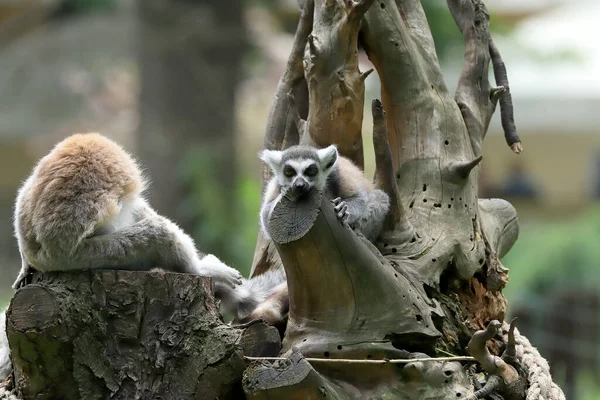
x=298 y=169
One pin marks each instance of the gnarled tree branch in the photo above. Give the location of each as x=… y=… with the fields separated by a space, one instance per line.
x=331 y=307
x=434 y=274
x=475 y=98
x=282 y=127
x=331 y=70
x=506 y=106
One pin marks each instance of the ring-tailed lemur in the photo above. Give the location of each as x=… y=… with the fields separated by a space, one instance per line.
x=296 y=171
x=300 y=168
x=83 y=208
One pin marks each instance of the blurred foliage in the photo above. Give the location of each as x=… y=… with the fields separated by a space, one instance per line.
x=227 y=231
x=69 y=7
x=551 y=257
x=555 y=254
x=446 y=35
x=89 y=3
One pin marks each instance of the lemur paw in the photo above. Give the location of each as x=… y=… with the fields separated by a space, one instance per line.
x=19 y=282
x=215 y=268
x=341 y=209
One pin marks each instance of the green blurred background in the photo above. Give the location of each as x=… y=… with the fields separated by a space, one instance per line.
x=186 y=86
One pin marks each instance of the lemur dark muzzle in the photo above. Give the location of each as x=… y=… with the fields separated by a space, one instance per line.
x=301 y=186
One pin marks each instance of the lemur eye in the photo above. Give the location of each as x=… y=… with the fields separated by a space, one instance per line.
x=311 y=171
x=289 y=171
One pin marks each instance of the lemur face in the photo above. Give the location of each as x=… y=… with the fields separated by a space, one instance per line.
x=300 y=168
x=299 y=174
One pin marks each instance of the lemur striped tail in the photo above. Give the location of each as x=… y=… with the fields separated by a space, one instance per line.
x=246 y=301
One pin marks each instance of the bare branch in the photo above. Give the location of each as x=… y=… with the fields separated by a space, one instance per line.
x=363 y=75
x=473 y=93
x=499 y=225
x=506 y=105
x=336 y=86
x=477 y=348
x=292 y=78
x=358 y=8
x=510 y=354
x=299 y=122
x=462 y=169
x=510 y=385
x=493 y=383
x=281 y=130
x=496 y=93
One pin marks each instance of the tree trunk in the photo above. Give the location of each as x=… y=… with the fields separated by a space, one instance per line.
x=434 y=276
x=190 y=57
x=127 y=335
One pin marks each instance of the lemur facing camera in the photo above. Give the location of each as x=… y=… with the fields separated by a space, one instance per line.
x=296 y=171
x=300 y=168
x=83 y=208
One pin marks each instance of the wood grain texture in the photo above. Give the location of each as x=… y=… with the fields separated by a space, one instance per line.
x=124 y=335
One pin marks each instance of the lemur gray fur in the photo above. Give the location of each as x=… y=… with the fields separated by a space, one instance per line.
x=296 y=171
x=262 y=297
x=300 y=168
x=83 y=208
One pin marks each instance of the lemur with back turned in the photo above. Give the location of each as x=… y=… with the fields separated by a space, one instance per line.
x=83 y=207
x=296 y=171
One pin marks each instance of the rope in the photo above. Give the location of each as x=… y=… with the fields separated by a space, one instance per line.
x=541 y=386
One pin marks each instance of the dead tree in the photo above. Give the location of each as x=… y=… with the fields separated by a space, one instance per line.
x=434 y=276
x=364 y=318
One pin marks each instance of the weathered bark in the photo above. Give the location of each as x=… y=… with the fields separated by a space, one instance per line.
x=290 y=102
x=434 y=276
x=127 y=335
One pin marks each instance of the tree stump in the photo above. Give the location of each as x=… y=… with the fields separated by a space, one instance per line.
x=127 y=335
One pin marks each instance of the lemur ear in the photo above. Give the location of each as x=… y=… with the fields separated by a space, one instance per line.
x=328 y=157
x=272 y=158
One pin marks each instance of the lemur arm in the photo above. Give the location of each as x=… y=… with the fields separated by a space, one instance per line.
x=364 y=212
x=271 y=197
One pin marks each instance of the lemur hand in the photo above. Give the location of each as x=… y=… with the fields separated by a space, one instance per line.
x=20 y=281
x=341 y=209
x=215 y=268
